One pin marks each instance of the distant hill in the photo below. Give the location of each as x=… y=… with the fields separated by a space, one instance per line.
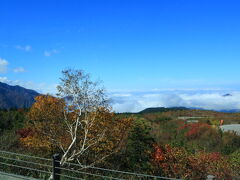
x=162 y=109
x=16 y=96
x=226 y=95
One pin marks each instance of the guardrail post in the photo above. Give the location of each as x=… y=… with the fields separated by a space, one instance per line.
x=56 y=166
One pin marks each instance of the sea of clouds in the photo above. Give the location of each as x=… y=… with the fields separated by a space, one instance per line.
x=135 y=101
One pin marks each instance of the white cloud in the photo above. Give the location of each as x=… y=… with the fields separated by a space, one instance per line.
x=26 y=48
x=39 y=87
x=3 y=65
x=19 y=70
x=8 y=81
x=121 y=95
x=4 y=79
x=206 y=99
x=50 y=53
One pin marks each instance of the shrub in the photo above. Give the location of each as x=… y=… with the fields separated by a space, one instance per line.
x=178 y=163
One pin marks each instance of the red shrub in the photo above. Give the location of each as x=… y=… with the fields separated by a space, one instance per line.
x=193 y=129
x=178 y=163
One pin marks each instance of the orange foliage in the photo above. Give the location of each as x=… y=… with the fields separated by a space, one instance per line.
x=49 y=129
x=171 y=160
x=178 y=163
x=45 y=121
x=193 y=129
x=210 y=163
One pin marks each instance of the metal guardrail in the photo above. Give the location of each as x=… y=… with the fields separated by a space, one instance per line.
x=55 y=170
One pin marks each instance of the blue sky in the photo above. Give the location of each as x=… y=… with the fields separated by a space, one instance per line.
x=132 y=45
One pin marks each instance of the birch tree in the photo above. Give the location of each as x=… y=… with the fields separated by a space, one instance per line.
x=79 y=122
x=85 y=98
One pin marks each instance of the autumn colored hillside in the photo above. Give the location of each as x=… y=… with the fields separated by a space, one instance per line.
x=185 y=138
x=184 y=143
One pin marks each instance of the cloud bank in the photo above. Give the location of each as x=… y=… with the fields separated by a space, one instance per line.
x=206 y=99
x=135 y=101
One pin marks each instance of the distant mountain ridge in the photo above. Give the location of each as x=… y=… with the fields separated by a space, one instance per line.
x=16 y=96
x=162 y=109
x=165 y=109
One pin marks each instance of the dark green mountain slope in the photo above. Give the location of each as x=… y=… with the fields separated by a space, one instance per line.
x=16 y=96
x=161 y=109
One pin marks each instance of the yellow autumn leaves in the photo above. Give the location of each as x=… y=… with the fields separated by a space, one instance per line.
x=47 y=120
